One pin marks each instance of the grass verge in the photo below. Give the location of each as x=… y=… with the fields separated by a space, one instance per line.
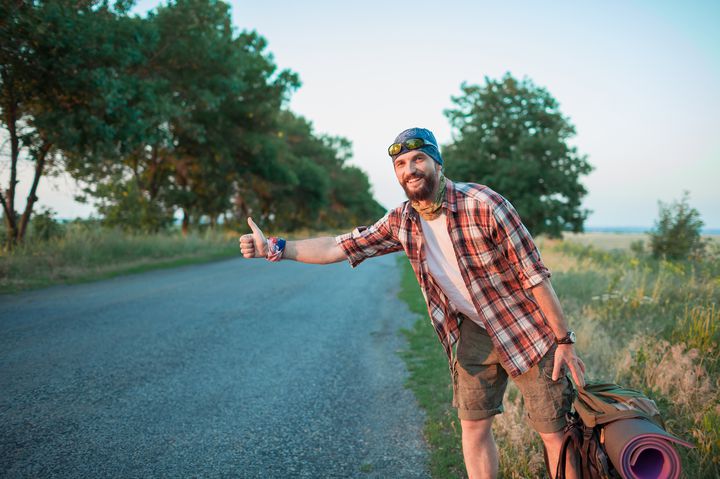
x=90 y=254
x=430 y=381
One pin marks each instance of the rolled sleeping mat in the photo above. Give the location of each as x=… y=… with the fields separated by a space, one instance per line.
x=640 y=449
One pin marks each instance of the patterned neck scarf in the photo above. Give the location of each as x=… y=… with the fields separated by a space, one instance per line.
x=434 y=209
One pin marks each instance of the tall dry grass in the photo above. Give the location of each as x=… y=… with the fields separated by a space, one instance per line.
x=646 y=324
x=649 y=325
x=84 y=250
x=89 y=252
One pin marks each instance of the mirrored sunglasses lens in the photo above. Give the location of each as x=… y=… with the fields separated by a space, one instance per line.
x=394 y=149
x=414 y=143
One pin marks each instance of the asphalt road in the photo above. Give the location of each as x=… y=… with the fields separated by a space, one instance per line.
x=240 y=368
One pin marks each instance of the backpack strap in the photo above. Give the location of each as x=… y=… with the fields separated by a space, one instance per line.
x=587 y=433
x=573 y=445
x=581 y=443
x=572 y=442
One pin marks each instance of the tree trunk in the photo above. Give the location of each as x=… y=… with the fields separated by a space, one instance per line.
x=10 y=225
x=185 y=222
x=32 y=198
x=153 y=185
x=8 y=200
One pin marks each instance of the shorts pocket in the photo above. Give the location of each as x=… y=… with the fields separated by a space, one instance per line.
x=546 y=401
x=473 y=343
x=547 y=363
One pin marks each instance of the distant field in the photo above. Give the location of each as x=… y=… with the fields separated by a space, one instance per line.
x=610 y=241
x=606 y=241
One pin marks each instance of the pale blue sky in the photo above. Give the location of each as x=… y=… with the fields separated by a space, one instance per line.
x=638 y=79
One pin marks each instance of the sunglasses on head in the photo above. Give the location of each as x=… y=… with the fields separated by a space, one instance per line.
x=410 y=144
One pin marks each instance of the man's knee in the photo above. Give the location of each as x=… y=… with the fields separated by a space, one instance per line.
x=479 y=429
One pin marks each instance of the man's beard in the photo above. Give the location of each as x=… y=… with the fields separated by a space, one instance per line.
x=424 y=191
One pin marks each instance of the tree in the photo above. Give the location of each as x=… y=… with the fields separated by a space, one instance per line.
x=60 y=65
x=511 y=136
x=173 y=111
x=676 y=234
x=319 y=189
x=210 y=98
x=217 y=142
x=123 y=205
x=354 y=203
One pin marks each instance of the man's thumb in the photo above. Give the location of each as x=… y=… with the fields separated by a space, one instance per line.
x=256 y=231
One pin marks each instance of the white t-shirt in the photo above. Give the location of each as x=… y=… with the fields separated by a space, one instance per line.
x=444 y=268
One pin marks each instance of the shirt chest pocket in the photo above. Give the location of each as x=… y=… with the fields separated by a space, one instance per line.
x=478 y=249
x=412 y=249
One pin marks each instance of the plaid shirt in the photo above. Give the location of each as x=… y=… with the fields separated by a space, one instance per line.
x=498 y=261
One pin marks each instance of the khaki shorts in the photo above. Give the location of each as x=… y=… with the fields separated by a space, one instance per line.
x=480 y=381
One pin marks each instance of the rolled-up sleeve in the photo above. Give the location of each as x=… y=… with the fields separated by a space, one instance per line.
x=368 y=241
x=517 y=245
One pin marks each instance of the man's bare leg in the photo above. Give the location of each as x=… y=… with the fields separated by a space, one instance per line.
x=553 y=443
x=479 y=449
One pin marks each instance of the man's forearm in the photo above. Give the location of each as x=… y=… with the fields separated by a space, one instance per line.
x=550 y=305
x=565 y=353
x=323 y=250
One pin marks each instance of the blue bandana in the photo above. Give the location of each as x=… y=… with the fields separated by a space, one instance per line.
x=431 y=150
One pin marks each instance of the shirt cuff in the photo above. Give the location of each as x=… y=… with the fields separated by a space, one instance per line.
x=347 y=244
x=536 y=276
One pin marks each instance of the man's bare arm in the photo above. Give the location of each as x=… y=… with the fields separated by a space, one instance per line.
x=550 y=305
x=322 y=250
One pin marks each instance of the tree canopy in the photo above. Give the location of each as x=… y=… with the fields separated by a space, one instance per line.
x=510 y=135
x=60 y=87
x=176 y=111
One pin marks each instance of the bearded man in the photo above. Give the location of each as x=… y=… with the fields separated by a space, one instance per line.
x=487 y=290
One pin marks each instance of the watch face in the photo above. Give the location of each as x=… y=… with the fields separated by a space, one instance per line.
x=571 y=336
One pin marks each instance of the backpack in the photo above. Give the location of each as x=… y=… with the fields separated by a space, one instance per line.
x=596 y=405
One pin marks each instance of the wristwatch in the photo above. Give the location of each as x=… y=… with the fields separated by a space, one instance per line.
x=569 y=338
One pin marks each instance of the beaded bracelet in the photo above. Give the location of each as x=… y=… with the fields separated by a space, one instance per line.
x=276 y=248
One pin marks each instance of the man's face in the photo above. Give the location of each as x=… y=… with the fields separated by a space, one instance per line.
x=417 y=174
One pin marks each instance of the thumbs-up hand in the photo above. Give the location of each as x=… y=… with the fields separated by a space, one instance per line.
x=253 y=245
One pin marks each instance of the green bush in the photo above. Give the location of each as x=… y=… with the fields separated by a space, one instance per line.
x=44 y=226
x=126 y=207
x=638 y=248
x=676 y=235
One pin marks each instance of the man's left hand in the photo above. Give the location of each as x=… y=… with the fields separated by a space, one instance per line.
x=565 y=355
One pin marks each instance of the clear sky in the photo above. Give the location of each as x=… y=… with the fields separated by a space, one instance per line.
x=640 y=80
